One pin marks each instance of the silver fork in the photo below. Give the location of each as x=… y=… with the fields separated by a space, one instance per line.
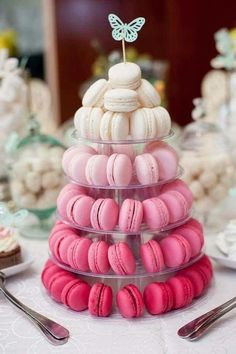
x=54 y=332
x=196 y=328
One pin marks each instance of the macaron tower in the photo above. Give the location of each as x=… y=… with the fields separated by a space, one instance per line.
x=125 y=240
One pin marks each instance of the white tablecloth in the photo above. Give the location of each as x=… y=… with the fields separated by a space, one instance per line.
x=111 y=335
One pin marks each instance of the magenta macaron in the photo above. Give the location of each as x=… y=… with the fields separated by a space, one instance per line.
x=156 y=213
x=131 y=215
x=104 y=214
x=176 y=250
x=75 y=294
x=121 y=258
x=98 y=257
x=152 y=256
x=100 y=300
x=158 y=298
x=119 y=170
x=193 y=236
x=182 y=289
x=130 y=302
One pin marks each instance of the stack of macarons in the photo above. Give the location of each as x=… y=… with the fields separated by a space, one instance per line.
x=100 y=257
x=104 y=214
x=159 y=162
x=122 y=107
x=158 y=297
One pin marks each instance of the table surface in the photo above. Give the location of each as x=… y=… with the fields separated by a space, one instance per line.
x=111 y=335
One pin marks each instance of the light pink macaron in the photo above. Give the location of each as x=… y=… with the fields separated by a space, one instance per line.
x=72 y=152
x=77 y=253
x=77 y=167
x=146 y=168
x=130 y=301
x=131 y=215
x=78 y=210
x=119 y=170
x=181 y=187
x=69 y=191
x=98 y=257
x=152 y=256
x=95 y=170
x=121 y=258
x=156 y=213
x=176 y=250
x=176 y=204
x=104 y=214
x=166 y=158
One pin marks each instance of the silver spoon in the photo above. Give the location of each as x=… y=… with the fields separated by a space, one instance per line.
x=54 y=332
x=200 y=325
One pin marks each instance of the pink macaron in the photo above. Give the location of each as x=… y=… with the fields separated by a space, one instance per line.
x=69 y=191
x=156 y=213
x=77 y=167
x=78 y=210
x=166 y=157
x=95 y=170
x=121 y=258
x=181 y=187
x=176 y=205
x=119 y=170
x=176 y=250
x=146 y=168
x=195 y=223
x=47 y=273
x=100 y=300
x=196 y=279
x=74 y=151
x=75 y=295
x=182 y=289
x=77 y=253
x=57 y=282
x=152 y=257
x=158 y=298
x=193 y=236
x=98 y=257
x=131 y=215
x=130 y=302
x=104 y=214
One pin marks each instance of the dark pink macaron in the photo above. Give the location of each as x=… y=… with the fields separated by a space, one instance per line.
x=57 y=283
x=121 y=258
x=152 y=256
x=100 y=300
x=75 y=295
x=196 y=279
x=176 y=250
x=130 y=302
x=158 y=298
x=98 y=257
x=182 y=289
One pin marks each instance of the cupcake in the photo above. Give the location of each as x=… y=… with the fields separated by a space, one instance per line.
x=10 y=251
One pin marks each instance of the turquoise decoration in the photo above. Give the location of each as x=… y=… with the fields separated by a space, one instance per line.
x=12 y=143
x=225 y=44
x=8 y=219
x=124 y=31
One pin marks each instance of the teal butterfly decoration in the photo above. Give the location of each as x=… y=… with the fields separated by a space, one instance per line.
x=124 y=31
x=8 y=219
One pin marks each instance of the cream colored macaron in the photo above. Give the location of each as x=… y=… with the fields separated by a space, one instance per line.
x=121 y=100
x=125 y=75
x=87 y=122
x=114 y=126
x=93 y=97
x=163 y=121
x=148 y=95
x=143 y=124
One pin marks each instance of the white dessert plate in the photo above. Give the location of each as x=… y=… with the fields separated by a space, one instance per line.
x=220 y=258
x=27 y=260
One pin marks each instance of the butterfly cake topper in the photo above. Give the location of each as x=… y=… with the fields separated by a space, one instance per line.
x=125 y=32
x=11 y=220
